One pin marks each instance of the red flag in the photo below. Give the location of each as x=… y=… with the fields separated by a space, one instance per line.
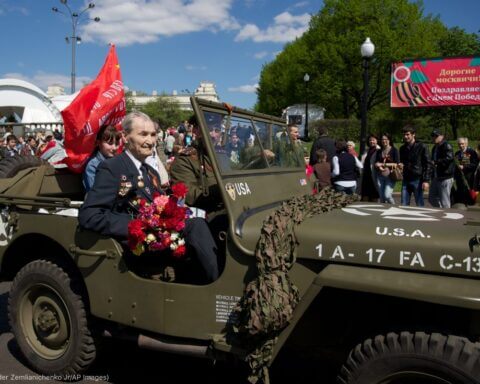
x=102 y=102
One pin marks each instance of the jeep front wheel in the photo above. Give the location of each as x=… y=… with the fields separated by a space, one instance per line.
x=48 y=318
x=409 y=358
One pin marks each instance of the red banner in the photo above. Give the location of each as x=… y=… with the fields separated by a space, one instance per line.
x=102 y=102
x=441 y=82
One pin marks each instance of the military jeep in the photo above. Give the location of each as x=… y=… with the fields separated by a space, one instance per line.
x=391 y=293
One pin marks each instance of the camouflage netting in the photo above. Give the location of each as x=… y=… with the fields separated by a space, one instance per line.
x=269 y=301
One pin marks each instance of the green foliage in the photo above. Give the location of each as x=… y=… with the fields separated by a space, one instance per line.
x=165 y=111
x=329 y=51
x=347 y=129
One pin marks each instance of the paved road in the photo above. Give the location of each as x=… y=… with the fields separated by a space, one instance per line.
x=121 y=362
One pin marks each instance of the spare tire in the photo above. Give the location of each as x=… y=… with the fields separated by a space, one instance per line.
x=10 y=166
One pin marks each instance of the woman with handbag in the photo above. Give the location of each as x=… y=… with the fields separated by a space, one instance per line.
x=387 y=168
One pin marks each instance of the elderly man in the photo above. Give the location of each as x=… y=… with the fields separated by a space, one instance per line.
x=120 y=179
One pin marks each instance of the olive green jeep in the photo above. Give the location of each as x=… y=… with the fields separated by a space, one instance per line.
x=390 y=294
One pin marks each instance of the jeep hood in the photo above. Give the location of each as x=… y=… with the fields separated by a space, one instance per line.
x=380 y=235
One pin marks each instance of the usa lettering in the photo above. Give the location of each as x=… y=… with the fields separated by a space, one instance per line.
x=242 y=189
x=400 y=232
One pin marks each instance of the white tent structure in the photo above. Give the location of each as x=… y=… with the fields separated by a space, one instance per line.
x=21 y=99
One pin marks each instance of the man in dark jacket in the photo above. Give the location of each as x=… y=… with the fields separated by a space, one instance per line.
x=323 y=142
x=443 y=169
x=416 y=167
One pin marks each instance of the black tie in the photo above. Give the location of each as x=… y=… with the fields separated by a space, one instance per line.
x=146 y=177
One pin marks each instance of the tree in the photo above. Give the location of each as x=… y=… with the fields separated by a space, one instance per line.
x=163 y=109
x=330 y=52
x=458 y=43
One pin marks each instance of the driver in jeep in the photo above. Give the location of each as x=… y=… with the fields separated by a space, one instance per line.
x=122 y=178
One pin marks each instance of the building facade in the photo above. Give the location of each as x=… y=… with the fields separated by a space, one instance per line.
x=206 y=90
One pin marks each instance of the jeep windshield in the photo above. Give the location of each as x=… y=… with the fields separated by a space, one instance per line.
x=242 y=143
x=255 y=164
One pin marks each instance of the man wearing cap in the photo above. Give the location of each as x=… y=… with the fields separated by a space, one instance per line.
x=443 y=169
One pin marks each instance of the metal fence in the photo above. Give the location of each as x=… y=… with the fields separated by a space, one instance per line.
x=23 y=129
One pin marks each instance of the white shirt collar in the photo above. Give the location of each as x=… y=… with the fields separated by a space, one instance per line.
x=137 y=162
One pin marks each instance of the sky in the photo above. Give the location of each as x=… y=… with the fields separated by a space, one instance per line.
x=167 y=45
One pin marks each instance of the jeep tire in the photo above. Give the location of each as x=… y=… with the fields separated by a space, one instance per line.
x=409 y=358
x=10 y=166
x=48 y=317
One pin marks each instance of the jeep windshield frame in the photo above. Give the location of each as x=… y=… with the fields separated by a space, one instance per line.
x=243 y=141
x=256 y=187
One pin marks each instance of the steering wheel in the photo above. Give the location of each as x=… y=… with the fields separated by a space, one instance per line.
x=253 y=163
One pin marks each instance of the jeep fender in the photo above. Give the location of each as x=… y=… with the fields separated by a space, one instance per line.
x=435 y=289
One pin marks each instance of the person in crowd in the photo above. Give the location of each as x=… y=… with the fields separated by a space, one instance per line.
x=108 y=207
x=10 y=149
x=466 y=160
x=351 y=148
x=344 y=169
x=48 y=143
x=233 y=148
x=415 y=160
x=216 y=136
x=156 y=163
x=322 y=142
x=170 y=141
x=290 y=152
x=443 y=169
x=387 y=158
x=187 y=140
x=178 y=145
x=182 y=128
x=20 y=144
x=57 y=134
x=30 y=148
x=106 y=146
x=369 y=185
x=322 y=171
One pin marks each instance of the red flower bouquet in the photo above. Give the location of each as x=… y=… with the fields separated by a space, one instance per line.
x=159 y=224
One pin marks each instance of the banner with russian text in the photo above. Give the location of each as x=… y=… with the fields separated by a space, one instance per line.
x=440 y=82
x=102 y=102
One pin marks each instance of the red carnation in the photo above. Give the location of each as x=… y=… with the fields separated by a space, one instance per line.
x=170 y=207
x=179 y=190
x=179 y=251
x=135 y=232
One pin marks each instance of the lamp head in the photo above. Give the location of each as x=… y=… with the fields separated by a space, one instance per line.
x=306 y=78
x=63 y=1
x=54 y=9
x=91 y=5
x=367 y=49
x=96 y=19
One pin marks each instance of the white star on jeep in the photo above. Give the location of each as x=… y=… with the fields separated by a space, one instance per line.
x=394 y=211
x=402 y=213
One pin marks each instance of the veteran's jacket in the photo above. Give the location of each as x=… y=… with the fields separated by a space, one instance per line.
x=108 y=205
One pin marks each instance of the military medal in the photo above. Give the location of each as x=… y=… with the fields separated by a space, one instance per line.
x=147 y=190
x=125 y=187
x=141 y=184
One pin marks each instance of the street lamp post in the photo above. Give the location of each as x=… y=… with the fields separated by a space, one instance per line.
x=74 y=39
x=306 y=79
x=367 y=49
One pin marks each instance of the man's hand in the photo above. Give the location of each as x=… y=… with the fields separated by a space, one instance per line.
x=268 y=153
